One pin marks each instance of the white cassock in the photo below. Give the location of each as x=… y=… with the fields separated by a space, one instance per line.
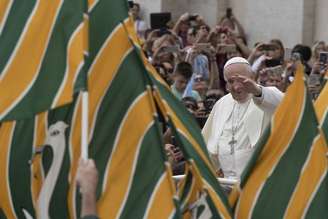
x=243 y=122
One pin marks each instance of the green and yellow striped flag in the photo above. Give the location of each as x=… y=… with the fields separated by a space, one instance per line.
x=125 y=139
x=190 y=140
x=287 y=175
x=42 y=46
x=35 y=164
x=196 y=198
x=321 y=107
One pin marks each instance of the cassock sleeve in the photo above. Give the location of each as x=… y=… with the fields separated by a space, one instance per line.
x=269 y=100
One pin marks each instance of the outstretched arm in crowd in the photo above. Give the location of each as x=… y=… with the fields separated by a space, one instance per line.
x=239 y=27
x=214 y=79
x=255 y=53
x=240 y=44
x=87 y=180
x=183 y=18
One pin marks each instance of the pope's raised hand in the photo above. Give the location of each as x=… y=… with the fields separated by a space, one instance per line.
x=248 y=85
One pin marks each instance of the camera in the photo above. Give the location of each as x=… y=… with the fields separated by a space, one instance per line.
x=272 y=63
x=203 y=47
x=226 y=48
x=323 y=57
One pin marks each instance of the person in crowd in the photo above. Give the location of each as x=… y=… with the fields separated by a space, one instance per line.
x=305 y=56
x=175 y=157
x=165 y=69
x=212 y=96
x=181 y=77
x=173 y=152
x=200 y=85
x=202 y=56
x=318 y=47
x=199 y=60
x=191 y=104
x=140 y=25
x=181 y=28
x=256 y=53
x=227 y=45
x=231 y=22
x=238 y=119
x=240 y=43
x=184 y=23
x=165 y=55
x=205 y=107
x=87 y=180
x=279 y=50
x=191 y=37
x=267 y=55
x=316 y=79
x=272 y=77
x=148 y=44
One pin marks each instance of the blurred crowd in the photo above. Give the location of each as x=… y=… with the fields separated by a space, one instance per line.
x=190 y=55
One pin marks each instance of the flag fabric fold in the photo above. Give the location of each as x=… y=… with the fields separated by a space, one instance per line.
x=321 y=108
x=42 y=54
x=188 y=135
x=287 y=175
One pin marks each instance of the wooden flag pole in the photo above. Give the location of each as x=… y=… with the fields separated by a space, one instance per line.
x=84 y=127
x=224 y=181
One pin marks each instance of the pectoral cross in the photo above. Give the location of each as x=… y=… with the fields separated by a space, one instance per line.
x=232 y=145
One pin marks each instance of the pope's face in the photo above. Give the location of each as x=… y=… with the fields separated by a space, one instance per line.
x=234 y=86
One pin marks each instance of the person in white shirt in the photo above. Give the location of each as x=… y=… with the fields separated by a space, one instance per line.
x=139 y=24
x=238 y=119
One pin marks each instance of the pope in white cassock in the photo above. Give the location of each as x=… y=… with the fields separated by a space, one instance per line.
x=238 y=119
